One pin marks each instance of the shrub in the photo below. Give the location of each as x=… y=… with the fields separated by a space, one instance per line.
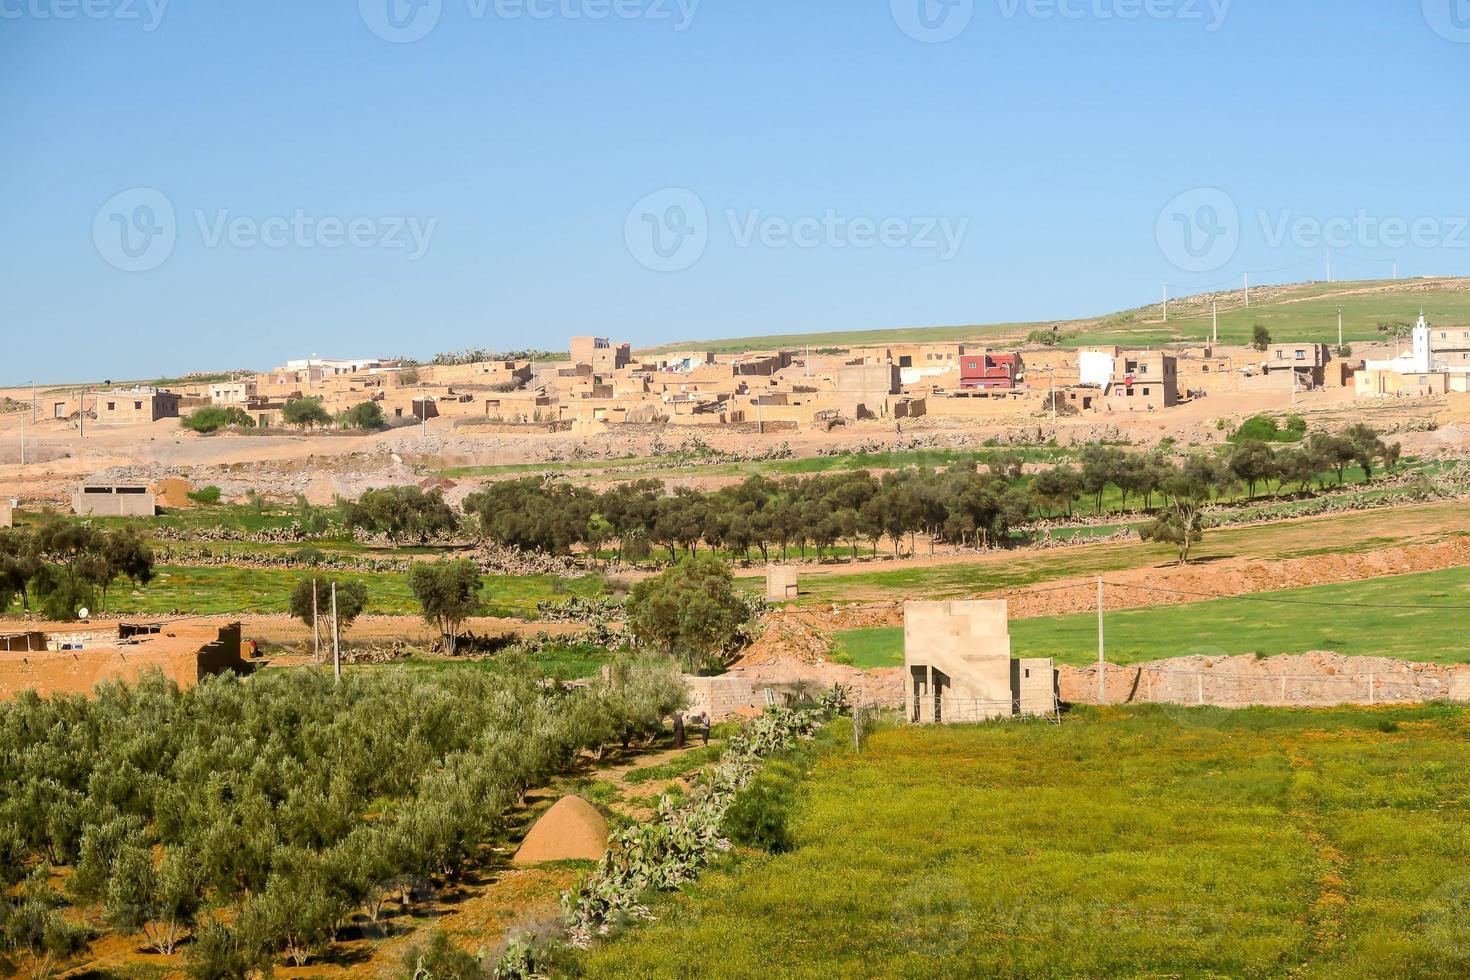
x=367 y=416
x=208 y=496
x=212 y=418
x=760 y=814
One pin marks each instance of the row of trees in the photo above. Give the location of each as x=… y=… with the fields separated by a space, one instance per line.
x=300 y=413
x=238 y=812
x=62 y=566
x=963 y=504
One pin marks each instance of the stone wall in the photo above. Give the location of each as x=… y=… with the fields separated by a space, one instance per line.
x=1305 y=680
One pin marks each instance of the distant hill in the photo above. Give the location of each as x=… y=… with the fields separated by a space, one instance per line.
x=1298 y=312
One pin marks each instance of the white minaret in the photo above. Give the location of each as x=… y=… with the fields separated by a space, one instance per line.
x=1423 y=359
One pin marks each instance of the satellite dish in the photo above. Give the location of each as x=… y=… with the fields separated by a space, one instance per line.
x=82 y=612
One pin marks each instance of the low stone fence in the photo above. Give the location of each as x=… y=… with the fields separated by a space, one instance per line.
x=1306 y=680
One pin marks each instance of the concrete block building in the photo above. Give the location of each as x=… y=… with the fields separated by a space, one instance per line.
x=114 y=500
x=781 y=583
x=72 y=658
x=958 y=666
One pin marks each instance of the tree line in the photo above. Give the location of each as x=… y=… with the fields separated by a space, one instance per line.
x=963 y=504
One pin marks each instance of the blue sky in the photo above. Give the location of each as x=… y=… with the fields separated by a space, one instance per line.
x=297 y=178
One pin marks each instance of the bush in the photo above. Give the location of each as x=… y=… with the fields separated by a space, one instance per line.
x=760 y=814
x=439 y=959
x=1266 y=428
x=208 y=496
x=367 y=416
x=212 y=418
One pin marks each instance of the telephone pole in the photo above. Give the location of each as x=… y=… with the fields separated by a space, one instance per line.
x=22 y=439
x=316 y=632
x=1247 y=289
x=1339 y=328
x=1215 y=324
x=1102 y=658
x=1166 y=302
x=336 y=639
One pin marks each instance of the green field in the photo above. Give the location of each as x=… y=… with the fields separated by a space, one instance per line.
x=1217 y=627
x=1138 y=842
x=224 y=590
x=1300 y=313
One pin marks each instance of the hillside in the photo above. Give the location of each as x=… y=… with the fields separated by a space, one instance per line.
x=1298 y=312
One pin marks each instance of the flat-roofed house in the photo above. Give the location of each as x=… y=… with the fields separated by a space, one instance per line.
x=114 y=500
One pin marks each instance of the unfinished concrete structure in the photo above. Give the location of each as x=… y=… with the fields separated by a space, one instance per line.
x=73 y=658
x=600 y=354
x=958 y=666
x=114 y=500
x=781 y=582
x=865 y=391
x=7 y=514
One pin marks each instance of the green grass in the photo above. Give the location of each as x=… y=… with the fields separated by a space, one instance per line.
x=1301 y=313
x=1240 y=625
x=1139 y=842
x=223 y=590
x=1219 y=627
x=879 y=646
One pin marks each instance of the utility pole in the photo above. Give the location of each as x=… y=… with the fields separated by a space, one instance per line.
x=22 y=440
x=1247 y=289
x=33 y=402
x=1166 y=302
x=1215 y=324
x=82 y=415
x=1051 y=374
x=316 y=632
x=1395 y=270
x=1329 y=265
x=1339 y=328
x=336 y=639
x=1102 y=658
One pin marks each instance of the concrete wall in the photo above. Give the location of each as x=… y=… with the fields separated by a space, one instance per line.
x=7 y=514
x=722 y=697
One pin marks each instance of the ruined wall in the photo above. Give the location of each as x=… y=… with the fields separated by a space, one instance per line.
x=722 y=697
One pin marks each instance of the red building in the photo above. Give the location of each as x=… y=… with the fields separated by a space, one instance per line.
x=989 y=371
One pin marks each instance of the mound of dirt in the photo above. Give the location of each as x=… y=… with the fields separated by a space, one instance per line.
x=572 y=830
x=173 y=492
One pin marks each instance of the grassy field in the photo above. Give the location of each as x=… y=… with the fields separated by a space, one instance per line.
x=1339 y=533
x=1135 y=842
x=1242 y=625
x=224 y=590
x=1299 y=313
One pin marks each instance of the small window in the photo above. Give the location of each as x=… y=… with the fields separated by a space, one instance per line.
x=137 y=406
x=1145 y=392
x=112 y=406
x=1281 y=355
x=1301 y=355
